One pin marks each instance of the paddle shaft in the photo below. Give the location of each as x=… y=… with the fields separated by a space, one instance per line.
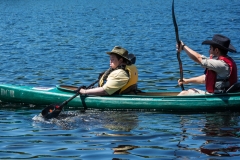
x=71 y=98
x=66 y=102
x=179 y=43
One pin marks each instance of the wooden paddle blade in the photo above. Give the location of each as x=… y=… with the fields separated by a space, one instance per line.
x=51 y=111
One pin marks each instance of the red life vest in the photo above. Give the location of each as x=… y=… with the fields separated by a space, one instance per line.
x=211 y=76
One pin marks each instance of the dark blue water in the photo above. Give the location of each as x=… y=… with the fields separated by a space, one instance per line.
x=44 y=43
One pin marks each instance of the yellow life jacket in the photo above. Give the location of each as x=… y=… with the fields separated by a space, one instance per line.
x=101 y=81
x=133 y=77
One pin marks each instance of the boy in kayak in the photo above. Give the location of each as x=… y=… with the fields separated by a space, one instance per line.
x=220 y=69
x=121 y=78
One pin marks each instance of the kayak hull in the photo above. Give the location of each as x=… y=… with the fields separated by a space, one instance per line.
x=157 y=101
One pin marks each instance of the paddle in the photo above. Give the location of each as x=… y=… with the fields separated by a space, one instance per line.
x=178 y=41
x=53 y=110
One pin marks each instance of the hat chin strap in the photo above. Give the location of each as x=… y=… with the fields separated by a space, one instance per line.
x=121 y=62
x=121 y=66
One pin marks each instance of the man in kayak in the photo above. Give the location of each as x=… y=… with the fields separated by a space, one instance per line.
x=220 y=69
x=121 y=78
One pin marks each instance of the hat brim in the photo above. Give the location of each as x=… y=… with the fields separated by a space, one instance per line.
x=119 y=55
x=210 y=42
x=109 y=52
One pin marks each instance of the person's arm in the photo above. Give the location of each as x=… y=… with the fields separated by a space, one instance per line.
x=219 y=66
x=191 y=53
x=198 y=80
x=99 y=91
x=115 y=81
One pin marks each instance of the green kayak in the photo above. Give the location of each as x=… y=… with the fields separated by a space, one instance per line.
x=154 y=101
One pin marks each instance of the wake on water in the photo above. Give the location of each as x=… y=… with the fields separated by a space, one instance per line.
x=91 y=119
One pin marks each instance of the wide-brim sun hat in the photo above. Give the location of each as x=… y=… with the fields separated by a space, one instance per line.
x=221 y=42
x=120 y=51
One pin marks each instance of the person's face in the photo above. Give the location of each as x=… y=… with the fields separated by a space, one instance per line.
x=114 y=62
x=213 y=51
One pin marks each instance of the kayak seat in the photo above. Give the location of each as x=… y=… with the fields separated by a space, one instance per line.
x=234 y=88
x=130 y=90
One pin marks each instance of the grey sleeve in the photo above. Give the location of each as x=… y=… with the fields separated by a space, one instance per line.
x=219 y=66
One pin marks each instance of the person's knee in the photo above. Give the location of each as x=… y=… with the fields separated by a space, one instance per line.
x=183 y=93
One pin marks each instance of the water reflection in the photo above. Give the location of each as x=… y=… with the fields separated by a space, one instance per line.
x=123 y=134
x=123 y=149
x=221 y=124
x=215 y=134
x=222 y=132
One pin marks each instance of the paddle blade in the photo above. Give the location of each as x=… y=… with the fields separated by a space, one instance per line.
x=51 y=111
